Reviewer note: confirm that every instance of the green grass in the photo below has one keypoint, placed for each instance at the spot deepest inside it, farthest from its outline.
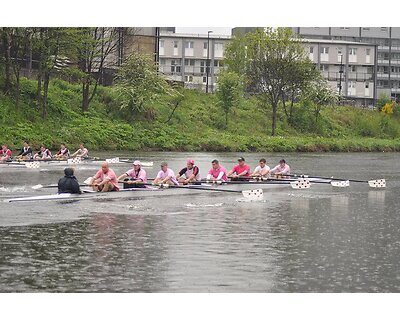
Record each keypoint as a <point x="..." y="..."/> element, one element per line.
<point x="198" y="124"/>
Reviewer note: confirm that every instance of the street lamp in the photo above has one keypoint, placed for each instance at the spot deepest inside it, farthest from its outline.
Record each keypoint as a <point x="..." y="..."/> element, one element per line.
<point x="340" y="76"/>
<point x="208" y="59"/>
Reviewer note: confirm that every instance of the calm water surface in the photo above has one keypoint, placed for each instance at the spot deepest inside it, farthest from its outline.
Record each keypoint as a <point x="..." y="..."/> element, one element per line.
<point x="316" y="240"/>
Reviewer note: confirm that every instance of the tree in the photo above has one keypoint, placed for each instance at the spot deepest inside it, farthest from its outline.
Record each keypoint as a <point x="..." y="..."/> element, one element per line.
<point x="273" y="63"/>
<point x="229" y="91"/>
<point x="320" y="94"/>
<point x="138" y="84"/>
<point x="95" y="46"/>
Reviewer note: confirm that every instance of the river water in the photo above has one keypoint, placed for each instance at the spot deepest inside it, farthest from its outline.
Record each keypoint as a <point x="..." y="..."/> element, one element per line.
<point x="321" y="239"/>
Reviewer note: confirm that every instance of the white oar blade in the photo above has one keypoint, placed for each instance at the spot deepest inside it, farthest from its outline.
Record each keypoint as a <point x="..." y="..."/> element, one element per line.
<point x="88" y="181"/>
<point x="113" y="160"/>
<point x="340" y="184"/>
<point x="76" y="160"/>
<point x="256" y="194"/>
<point x="300" y="184"/>
<point x="32" y="165"/>
<point x="380" y="183"/>
<point x="38" y="186"/>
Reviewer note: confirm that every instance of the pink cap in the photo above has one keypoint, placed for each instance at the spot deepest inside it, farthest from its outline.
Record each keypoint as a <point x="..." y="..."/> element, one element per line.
<point x="136" y="163"/>
<point x="191" y="161"/>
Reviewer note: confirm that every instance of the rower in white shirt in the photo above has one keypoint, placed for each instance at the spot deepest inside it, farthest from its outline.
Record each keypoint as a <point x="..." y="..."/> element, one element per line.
<point x="262" y="170"/>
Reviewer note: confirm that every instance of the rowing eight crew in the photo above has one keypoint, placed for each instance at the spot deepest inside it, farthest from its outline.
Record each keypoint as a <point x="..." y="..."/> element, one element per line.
<point x="106" y="180"/>
<point x="26" y="153"/>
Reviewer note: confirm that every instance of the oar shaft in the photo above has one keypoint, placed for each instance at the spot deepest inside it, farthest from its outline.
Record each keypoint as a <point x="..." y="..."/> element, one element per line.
<point x="327" y="178"/>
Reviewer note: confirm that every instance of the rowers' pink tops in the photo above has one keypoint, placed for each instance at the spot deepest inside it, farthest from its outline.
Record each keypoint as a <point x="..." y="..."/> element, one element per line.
<point x="239" y="169"/>
<point x="169" y="173"/>
<point x="110" y="175"/>
<point x="141" y="175"/>
<point x="216" y="172"/>
<point x="281" y="169"/>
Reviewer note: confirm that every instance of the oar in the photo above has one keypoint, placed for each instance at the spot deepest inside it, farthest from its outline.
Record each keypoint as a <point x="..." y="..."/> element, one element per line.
<point x="377" y="183"/>
<point x="53" y="185"/>
<point x="251" y="194"/>
<point x="294" y="183"/>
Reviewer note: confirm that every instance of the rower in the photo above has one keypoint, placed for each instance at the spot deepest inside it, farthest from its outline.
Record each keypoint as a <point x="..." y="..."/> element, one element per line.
<point x="217" y="172"/>
<point x="240" y="170"/>
<point x="63" y="153"/>
<point x="262" y="170"/>
<point x="43" y="154"/>
<point x="5" y="153"/>
<point x="105" y="179"/>
<point x="165" y="175"/>
<point x="26" y="152"/>
<point x="281" y="169"/>
<point x="189" y="174"/>
<point x="81" y="152"/>
<point x="69" y="184"/>
<point x="135" y="177"/>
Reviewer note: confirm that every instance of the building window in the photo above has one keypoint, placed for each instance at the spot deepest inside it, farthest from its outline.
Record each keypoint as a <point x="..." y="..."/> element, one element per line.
<point x="175" y="44"/>
<point x="189" y="44"/>
<point x="311" y="49"/>
<point x="218" y="50"/>
<point x="352" y="68"/>
<point x="344" y="28"/>
<point x="323" y="67"/>
<point x="367" y="85"/>
<point x="218" y="63"/>
<point x="324" y="50"/>
<point x="202" y="67"/>
<point x="188" y="78"/>
<point x="352" y="51"/>
<point x="384" y="29"/>
<point x="365" y="29"/>
<point x="189" y="62"/>
<point x="205" y="45"/>
<point x="175" y="66"/>
<point x="204" y="79"/>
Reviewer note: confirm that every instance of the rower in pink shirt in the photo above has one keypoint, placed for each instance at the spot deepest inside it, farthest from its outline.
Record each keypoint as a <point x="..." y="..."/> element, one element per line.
<point x="281" y="169"/>
<point x="217" y="172"/>
<point x="240" y="170"/>
<point x="135" y="177"/>
<point x="166" y="175"/>
<point x="105" y="179"/>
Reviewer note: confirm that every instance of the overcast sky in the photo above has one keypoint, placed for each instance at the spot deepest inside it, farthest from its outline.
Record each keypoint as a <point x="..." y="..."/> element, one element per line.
<point x="204" y="30"/>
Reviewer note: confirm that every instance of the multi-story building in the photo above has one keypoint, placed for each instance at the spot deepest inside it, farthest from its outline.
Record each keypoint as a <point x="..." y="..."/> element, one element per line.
<point x="185" y="58"/>
<point x="349" y="67"/>
<point x="387" y="40"/>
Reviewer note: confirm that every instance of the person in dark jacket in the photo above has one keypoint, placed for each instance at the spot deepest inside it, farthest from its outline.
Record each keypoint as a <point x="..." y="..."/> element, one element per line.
<point x="69" y="184"/>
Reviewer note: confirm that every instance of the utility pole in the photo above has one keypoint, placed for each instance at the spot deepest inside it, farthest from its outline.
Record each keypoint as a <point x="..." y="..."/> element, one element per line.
<point x="208" y="59"/>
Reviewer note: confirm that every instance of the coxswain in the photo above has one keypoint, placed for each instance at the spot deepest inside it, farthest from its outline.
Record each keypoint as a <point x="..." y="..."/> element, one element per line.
<point x="43" y="154"/>
<point x="262" y="170"/>
<point x="189" y="174"/>
<point x="81" y="152"/>
<point x="217" y="172"/>
<point x="135" y="177"/>
<point x="240" y="170"/>
<point x="69" y="184"/>
<point x="26" y="152"/>
<point x="63" y="153"/>
<point x="105" y="179"/>
<point x="281" y="169"/>
<point x="5" y="153"/>
<point x="165" y="175"/>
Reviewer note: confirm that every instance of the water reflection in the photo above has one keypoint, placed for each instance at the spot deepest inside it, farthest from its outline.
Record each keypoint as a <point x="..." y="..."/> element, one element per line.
<point x="316" y="240"/>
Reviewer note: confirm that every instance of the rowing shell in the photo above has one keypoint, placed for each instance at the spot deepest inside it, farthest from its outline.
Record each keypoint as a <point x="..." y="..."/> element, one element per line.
<point x="137" y="192"/>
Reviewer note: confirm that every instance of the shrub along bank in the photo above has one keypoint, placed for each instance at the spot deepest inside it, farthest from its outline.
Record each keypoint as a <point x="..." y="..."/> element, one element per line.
<point x="195" y="123"/>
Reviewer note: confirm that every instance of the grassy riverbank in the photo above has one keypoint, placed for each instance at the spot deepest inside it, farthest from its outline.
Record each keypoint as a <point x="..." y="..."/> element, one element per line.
<point x="197" y="124"/>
